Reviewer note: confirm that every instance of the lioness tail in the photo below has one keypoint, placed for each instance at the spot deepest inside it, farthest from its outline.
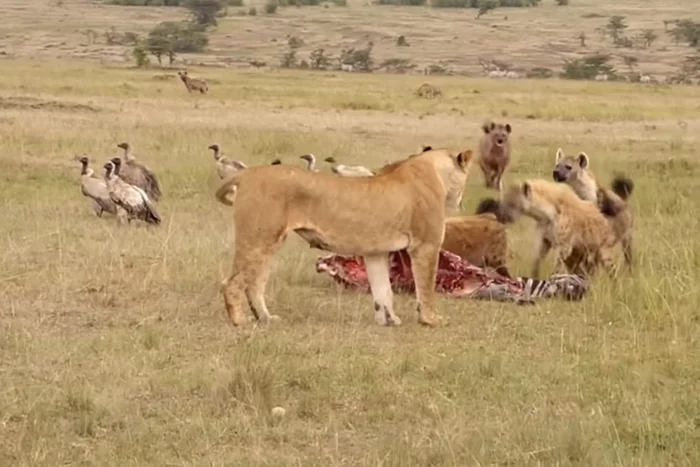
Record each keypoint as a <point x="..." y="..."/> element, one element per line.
<point x="229" y="185"/>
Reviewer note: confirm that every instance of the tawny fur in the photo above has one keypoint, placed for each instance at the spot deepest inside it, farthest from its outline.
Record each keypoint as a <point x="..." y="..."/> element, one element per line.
<point x="574" y="228"/>
<point x="401" y="207"/>
<point x="193" y="84"/>
<point x="480" y="239"/>
<point x="612" y="202"/>
<point x="137" y="174"/>
<point x="494" y="153"/>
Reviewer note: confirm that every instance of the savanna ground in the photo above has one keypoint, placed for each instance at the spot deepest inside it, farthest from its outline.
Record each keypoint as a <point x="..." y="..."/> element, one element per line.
<point x="115" y="348"/>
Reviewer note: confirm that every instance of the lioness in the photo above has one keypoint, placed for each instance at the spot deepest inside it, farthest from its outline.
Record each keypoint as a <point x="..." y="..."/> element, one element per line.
<point x="402" y="207"/>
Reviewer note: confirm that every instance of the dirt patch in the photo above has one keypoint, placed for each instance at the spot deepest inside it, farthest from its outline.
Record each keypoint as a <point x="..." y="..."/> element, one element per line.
<point x="39" y="104"/>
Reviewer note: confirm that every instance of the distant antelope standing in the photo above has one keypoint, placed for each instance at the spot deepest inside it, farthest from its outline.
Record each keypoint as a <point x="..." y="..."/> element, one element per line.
<point x="193" y="84"/>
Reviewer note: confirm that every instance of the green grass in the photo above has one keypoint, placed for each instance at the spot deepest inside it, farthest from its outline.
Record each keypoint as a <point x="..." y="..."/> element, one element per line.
<point x="114" y="345"/>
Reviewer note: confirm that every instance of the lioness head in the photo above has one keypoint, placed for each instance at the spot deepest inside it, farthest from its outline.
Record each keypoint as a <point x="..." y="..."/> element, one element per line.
<point x="498" y="133"/>
<point x="568" y="168"/>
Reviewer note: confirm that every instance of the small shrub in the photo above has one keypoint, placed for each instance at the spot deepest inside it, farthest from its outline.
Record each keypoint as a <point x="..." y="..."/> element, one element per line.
<point x="140" y="54"/>
<point x="562" y="2"/>
<point x="540" y="73"/>
<point x="271" y="7"/>
<point x="234" y="2"/>
<point x="340" y="2"/>
<point x="588" y="68"/>
<point x="289" y="59"/>
<point x="253" y="11"/>
<point x="295" y="42"/>
<point x="318" y="60"/>
<point x="401" y="42"/>
<point x="402" y="2"/>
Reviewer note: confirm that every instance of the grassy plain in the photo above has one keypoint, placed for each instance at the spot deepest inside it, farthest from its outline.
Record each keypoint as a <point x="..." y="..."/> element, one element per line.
<point x="114" y="345"/>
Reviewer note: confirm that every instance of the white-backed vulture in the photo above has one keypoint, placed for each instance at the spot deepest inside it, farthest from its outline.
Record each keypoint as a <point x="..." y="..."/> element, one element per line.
<point x="311" y="161"/>
<point x="139" y="175"/>
<point x="224" y="165"/>
<point x="349" y="170"/>
<point x="95" y="189"/>
<point x="131" y="198"/>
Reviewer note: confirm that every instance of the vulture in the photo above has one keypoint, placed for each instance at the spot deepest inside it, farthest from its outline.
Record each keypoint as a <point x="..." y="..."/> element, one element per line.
<point x="131" y="198"/>
<point x="224" y="165"/>
<point x="311" y="161"/>
<point x="96" y="189"/>
<point x="349" y="170"/>
<point x="139" y="175"/>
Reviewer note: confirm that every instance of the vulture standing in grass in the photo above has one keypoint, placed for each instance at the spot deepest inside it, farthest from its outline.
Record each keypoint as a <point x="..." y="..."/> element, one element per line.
<point x="131" y="198"/>
<point x="224" y="165"/>
<point x="139" y="175"/>
<point x="311" y="161"/>
<point x="349" y="170"/>
<point x="95" y="189"/>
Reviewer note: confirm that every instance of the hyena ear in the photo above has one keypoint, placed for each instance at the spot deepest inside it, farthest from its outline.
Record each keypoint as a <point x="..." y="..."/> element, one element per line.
<point x="527" y="189"/>
<point x="464" y="158"/>
<point x="508" y="128"/>
<point x="487" y="127"/>
<point x="583" y="160"/>
<point x="560" y="155"/>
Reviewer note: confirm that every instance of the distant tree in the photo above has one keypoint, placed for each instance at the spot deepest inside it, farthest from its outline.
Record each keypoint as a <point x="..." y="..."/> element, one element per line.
<point x="169" y="38"/>
<point x="318" y="60"/>
<point x="562" y="2"/>
<point x="204" y="12"/>
<point x="649" y="36"/>
<point x="630" y="61"/>
<point x="485" y="6"/>
<point x="687" y="31"/>
<point x="582" y="37"/>
<point x="140" y="54"/>
<point x="615" y="27"/>
<point x="271" y="7"/>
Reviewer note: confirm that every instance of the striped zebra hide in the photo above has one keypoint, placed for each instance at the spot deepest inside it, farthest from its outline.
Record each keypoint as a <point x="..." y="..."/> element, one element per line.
<point x="457" y="278"/>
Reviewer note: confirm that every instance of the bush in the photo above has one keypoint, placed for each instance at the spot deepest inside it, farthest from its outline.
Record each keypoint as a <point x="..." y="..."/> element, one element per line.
<point x="204" y="12"/>
<point x="140" y="54"/>
<point x="562" y="2"/>
<point x="402" y="2"/>
<point x="253" y="11"/>
<point x="169" y="38"/>
<point x="234" y="2"/>
<point x="588" y="68"/>
<point x="147" y="2"/>
<point x="271" y="7"/>
<point x="482" y="4"/>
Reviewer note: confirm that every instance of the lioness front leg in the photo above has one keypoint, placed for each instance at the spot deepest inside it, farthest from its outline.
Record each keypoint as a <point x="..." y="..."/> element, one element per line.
<point x="424" y="261"/>
<point x="377" y="267"/>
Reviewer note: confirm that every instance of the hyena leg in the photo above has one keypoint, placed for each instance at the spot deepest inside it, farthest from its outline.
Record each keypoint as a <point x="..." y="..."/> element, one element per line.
<point x="627" y="250"/>
<point x="377" y="267"/>
<point x="543" y="251"/>
<point x="424" y="262"/>
<point x="498" y="182"/>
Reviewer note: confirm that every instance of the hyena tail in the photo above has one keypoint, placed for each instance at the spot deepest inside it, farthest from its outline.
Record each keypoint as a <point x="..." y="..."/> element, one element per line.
<point x="622" y="186"/>
<point x="491" y="206"/>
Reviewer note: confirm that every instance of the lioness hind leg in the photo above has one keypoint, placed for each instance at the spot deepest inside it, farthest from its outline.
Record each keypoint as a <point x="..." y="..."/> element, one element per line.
<point x="424" y="262"/>
<point x="377" y="267"/>
<point x="256" y="280"/>
<point x="232" y="290"/>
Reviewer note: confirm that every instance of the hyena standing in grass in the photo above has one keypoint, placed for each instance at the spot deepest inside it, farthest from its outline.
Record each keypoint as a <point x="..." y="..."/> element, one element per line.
<point x="193" y="84"/>
<point x="494" y="153"/>
<point x="613" y="202"/>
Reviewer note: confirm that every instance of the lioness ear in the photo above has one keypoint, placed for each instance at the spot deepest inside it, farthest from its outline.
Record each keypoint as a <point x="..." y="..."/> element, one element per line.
<point x="508" y="127"/>
<point x="583" y="160"/>
<point x="527" y="189"/>
<point x="464" y="158"/>
<point x="560" y="155"/>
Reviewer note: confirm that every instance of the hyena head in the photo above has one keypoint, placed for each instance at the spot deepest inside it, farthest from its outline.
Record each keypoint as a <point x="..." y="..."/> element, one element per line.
<point x="569" y="168"/>
<point x="183" y="75"/>
<point x="516" y="200"/>
<point x="499" y="133"/>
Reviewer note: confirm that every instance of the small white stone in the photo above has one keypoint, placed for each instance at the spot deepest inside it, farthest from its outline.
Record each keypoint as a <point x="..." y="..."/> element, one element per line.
<point x="278" y="411"/>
